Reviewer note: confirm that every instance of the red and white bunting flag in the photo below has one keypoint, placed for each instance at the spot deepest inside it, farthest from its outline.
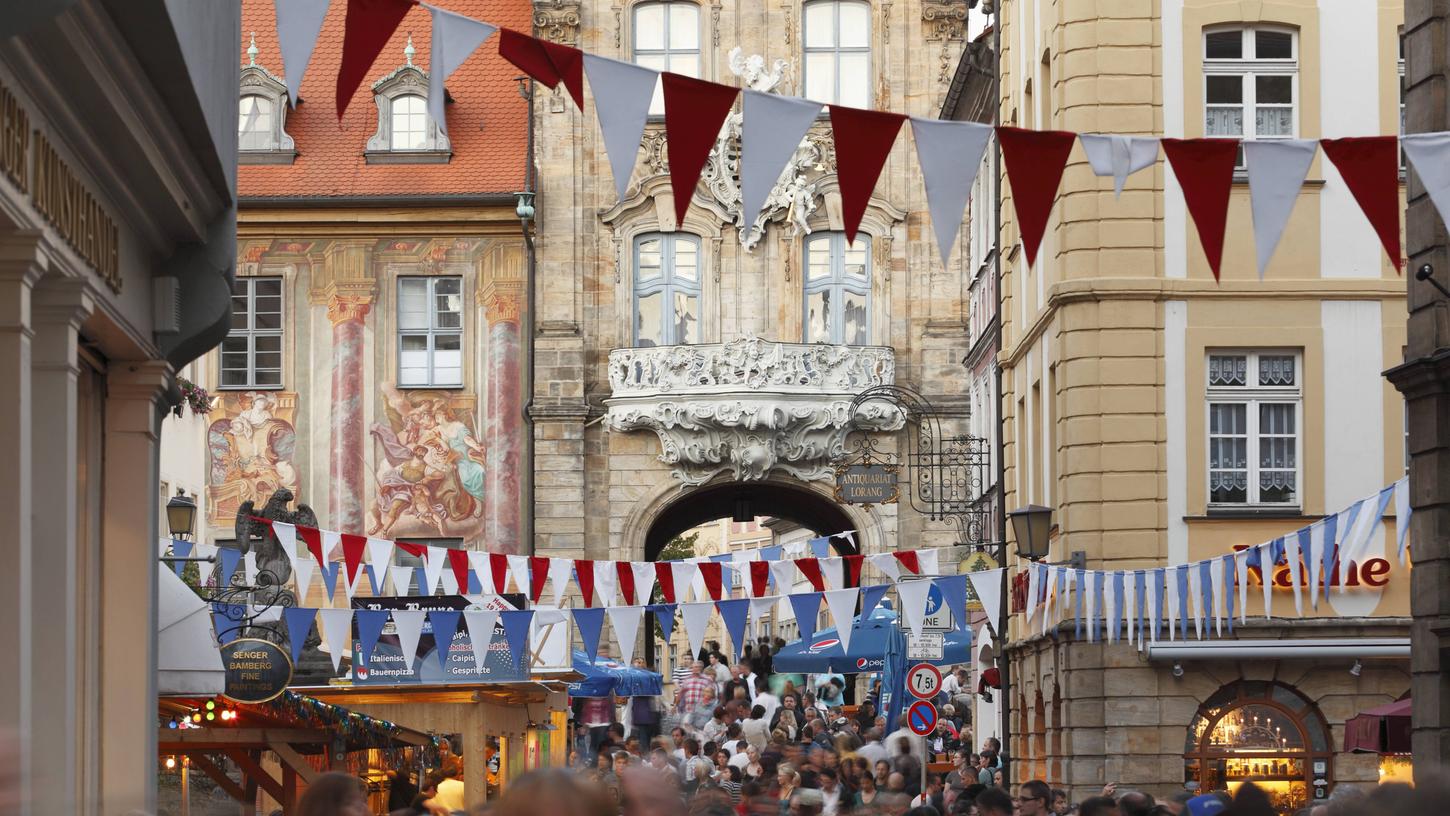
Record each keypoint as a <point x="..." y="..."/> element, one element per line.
<point x="853" y="569"/>
<point x="666" y="577"/>
<point x="458" y="564"/>
<point x="622" y="93"/>
<point x="519" y="570"/>
<point x="380" y="555"/>
<point x="833" y="570"/>
<point x="625" y="622"/>
<point x="1205" y="171"/>
<point x="1118" y="156"/>
<point x="606" y="582"/>
<point x="498" y="573"/>
<point x="694" y="112"/>
<point x="1034" y="160"/>
<point x="368" y="27"/>
<point x="1370" y="166"/>
<point x="886" y="564"/>
<point x="558" y="572"/>
<point x="480" y="624"/>
<point x="644" y="580"/>
<point x="433" y="563"/>
<point x="408" y="623"/>
<point x="336" y="632"/>
<point x="584" y="577"/>
<point x="539" y="570"/>
<point x="454" y="40"/>
<point x="950" y="154"/>
<point x="685" y="573"/>
<point x="625" y="579"/>
<point x="783" y="572"/>
<point x="759" y="578"/>
<point x="913" y="603"/>
<point x="697" y="617"/>
<point x="547" y="63"/>
<point x="1429" y="153"/>
<point x="773" y="128"/>
<point x="1277" y="169"/>
<point x="353" y="547"/>
<point x="298" y="24"/>
<point x="863" y="140"/>
<point x="313" y="537"/>
<point x="810" y="569"/>
<point x="987" y="586"/>
<point x="841" y="603"/>
<point x="714" y="578"/>
<point x="909" y="561"/>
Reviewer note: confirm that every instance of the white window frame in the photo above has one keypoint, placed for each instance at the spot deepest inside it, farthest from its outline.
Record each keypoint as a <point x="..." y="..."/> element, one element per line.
<point x="838" y="283"/>
<point x="251" y="333"/>
<point x="407" y="80"/>
<point x="667" y="54"/>
<point x="1252" y="395"/>
<point x="280" y="148"/>
<point x="1248" y="67"/>
<point x="433" y="331"/>
<point x="393" y="114"/>
<point x="836" y="49"/>
<point x="666" y="284"/>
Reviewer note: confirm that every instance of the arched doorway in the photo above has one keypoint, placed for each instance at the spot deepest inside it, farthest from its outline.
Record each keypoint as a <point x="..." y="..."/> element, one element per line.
<point x="1264" y="732"/>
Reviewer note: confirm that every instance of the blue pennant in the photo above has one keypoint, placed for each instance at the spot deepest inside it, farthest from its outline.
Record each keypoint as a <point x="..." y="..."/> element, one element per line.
<point x="420" y="577"/>
<point x="1140" y="588"/>
<point x="370" y="623"/>
<point x="299" y="624"/>
<point x="180" y="548"/>
<point x="1121" y="613"/>
<point x="734" y="611"/>
<point x="445" y="625"/>
<point x="665" y="616"/>
<point x="1158" y="575"/>
<point x="374" y="580"/>
<point x="821" y="547"/>
<point x="1331" y="547"/>
<point x="230" y="558"/>
<point x="953" y="590"/>
<point x="590" y="622"/>
<point x="516" y="633"/>
<point x="1231" y="577"/>
<point x="226" y="621"/>
<point x="329" y="577"/>
<point x="1082" y="589"/>
<point x="1181" y="575"/>
<point x="1205" y="588"/>
<point x="871" y="596"/>
<point x="806" y="606"/>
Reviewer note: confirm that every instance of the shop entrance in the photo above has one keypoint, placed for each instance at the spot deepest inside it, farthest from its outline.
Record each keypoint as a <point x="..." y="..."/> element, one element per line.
<point x="1261" y="732"/>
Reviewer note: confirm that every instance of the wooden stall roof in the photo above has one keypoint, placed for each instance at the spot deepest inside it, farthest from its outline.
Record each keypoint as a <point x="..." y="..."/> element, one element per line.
<point x="513" y="693"/>
<point x="261" y="726"/>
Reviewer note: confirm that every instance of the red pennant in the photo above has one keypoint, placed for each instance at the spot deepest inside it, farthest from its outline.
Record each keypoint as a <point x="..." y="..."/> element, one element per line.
<point x="584" y="576"/>
<point x="909" y="562"/>
<point x="714" y="579"/>
<point x="369" y="26"/>
<point x="694" y="111"/>
<point x="569" y="65"/>
<point x="1205" y="171"/>
<point x="863" y="140"/>
<point x="759" y="578"/>
<point x="458" y="560"/>
<point x="625" y="571"/>
<point x="529" y="55"/>
<point x="538" y="573"/>
<point x="853" y="569"/>
<point x="666" y="578"/>
<point x="353" y="547"/>
<point x="1370" y="166"/>
<point x="498" y="565"/>
<point x="811" y="569"/>
<point x="415" y="550"/>
<point x="313" y="537"/>
<point x="1035" y="160"/>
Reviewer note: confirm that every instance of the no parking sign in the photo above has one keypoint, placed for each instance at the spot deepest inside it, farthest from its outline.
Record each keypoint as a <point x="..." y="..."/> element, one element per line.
<point x="921" y="717"/>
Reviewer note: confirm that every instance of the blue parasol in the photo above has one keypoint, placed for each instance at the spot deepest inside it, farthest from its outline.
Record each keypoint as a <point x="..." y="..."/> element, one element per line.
<point x="871" y="640"/>
<point x="606" y="676"/>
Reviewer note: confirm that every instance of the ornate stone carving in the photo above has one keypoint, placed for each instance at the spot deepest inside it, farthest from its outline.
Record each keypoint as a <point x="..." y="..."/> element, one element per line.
<point x="557" y="21"/>
<point x="946" y="23"/>
<point x="749" y="406"/>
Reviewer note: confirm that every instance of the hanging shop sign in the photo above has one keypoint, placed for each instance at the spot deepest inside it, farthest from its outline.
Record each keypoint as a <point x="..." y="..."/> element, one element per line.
<point x="386" y="664"/>
<point x="860" y="483"/>
<point x="256" y="670"/>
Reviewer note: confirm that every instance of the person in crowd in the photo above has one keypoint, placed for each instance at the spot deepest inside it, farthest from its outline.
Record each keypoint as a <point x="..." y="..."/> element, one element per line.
<point x="619" y="764"/>
<point x="401" y="790"/>
<point x="1034" y="797"/>
<point x="932" y="796"/>
<point x="865" y="797"/>
<point x="1061" y="805"/>
<point x="994" y="802"/>
<point x="866" y="716"/>
<point x="830" y="787"/>
<point x="764" y="698"/>
<point x="682" y="666"/>
<point x="871" y="748"/>
<point x="786" y="781"/>
<point x="882" y="770"/>
<point x="831" y="692"/>
<point x="335" y="794"/>
<point x="737" y="682"/>
<point x="752" y="768"/>
<point x="597" y="714"/>
<point x="986" y="765"/>
<point x="644" y="717"/>
<point x="1135" y="803"/>
<point x="1098" y="806"/>
<point x="998" y="779"/>
<point x="691" y="691"/>
<point x="756" y="730"/>
<point x="785" y="721"/>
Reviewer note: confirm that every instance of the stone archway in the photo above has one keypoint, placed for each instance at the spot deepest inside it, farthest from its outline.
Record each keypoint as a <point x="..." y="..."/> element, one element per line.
<point x="796" y="503"/>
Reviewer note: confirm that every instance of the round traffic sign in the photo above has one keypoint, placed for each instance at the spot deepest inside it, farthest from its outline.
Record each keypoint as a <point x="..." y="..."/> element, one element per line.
<point x="923" y="681"/>
<point x="921" y="717"/>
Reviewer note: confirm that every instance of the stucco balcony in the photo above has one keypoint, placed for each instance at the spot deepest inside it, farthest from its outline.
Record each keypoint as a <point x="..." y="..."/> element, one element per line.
<point x="750" y="406"/>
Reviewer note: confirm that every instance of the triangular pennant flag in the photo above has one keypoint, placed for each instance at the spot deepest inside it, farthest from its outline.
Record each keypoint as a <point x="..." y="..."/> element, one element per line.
<point x="685" y="573"/>
<point x="498" y="570"/>
<point x="871" y="596"/>
<point x="1112" y="582"/>
<point x="1277" y="169"/>
<point x="1266" y="576"/>
<point x="302" y="572"/>
<point x="1118" y="156"/>
<point x="329" y="577"/>
<point x="694" y="111"/>
<point x="1034" y="160"/>
<point x="644" y="579"/>
<point x="1216" y="579"/>
<point x="528" y="55"/>
<point x="733" y="611"/>
<point x="1241" y="579"/>
<point x="226" y="620"/>
<point x="622" y="95"/>
<point x="773" y="128"/>
<point x="1429" y="153"/>
<point x="1372" y="511"/>
<point x="841" y="603"/>
<point x="1205" y="171"/>
<point x="664" y="571"/>
<point x="299" y="624"/>
<point x="589" y="622"/>
<point x="928" y="560"/>
<point x="558" y="572"/>
<point x="624" y="620"/>
<point x="783" y="574"/>
<point x="454" y="40"/>
<point x="180" y="548"/>
<point x="569" y="64"/>
<point x="313" y="538"/>
<point x="480" y="623"/>
<point x="230" y="558"/>
<point x="1196" y="588"/>
<point x="370" y="623"/>
<point x="1034" y="575"/>
<point x="909" y="561"/>
<point x="913" y="603"/>
<point x="418" y="551"/>
<point x="853" y="569"/>
<point x="665" y="616"/>
<point x="298" y="24"/>
<point x="759" y="582"/>
<point x="696" y="616"/>
<point x="805" y="606"/>
<point x="954" y="594"/>
<point x="1292" y="544"/>
<point x="810" y="568"/>
<point x="1370" y="166"/>
<point x="833" y="571"/>
<point x="380" y="555"/>
<point x="249" y="568"/>
<point x="863" y="141"/>
<point x="353" y="547"/>
<point x="402" y="578"/>
<point x="286" y="537"/>
<point x="887" y="564"/>
<point x="408" y="623"/>
<point x="482" y="579"/>
<point x="458" y="562"/>
<point x="987" y="586"/>
<point x="711" y="572"/>
<point x="584" y="577"/>
<point x="759" y="608"/>
<point x="433" y="563"/>
<point x="820" y="547"/>
<point x="1402" y="515"/>
<point x="368" y="27"/>
<point x="336" y="632"/>
<point x="445" y="626"/>
<point x="624" y="575"/>
<point x="519" y="570"/>
<point x="516" y="624"/>
<point x="949" y="154"/>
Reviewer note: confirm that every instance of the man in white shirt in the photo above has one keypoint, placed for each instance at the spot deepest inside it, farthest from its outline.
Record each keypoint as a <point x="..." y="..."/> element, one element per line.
<point x="768" y="701"/>
<point x="830" y="792"/>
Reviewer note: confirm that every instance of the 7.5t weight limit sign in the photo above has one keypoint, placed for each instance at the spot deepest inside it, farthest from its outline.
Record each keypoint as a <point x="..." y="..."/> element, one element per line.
<point x="923" y="681"/>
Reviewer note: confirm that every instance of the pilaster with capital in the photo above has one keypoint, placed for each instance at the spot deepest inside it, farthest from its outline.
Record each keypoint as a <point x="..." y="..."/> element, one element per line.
<point x="503" y="429"/>
<point x="347" y="309"/>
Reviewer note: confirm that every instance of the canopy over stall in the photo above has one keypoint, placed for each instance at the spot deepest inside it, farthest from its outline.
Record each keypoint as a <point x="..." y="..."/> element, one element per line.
<point x="1380" y="730"/>
<point x="870" y="642"/>
<point x="187" y="659"/>
<point x="605" y="676"/>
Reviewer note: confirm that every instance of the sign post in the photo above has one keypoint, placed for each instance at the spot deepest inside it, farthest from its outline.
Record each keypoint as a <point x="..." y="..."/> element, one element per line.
<point x="923" y="681"/>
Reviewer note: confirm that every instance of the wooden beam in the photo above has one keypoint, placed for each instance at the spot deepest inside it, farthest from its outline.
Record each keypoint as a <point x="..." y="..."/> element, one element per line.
<point x="218" y="776"/>
<point x="289" y="787"/>
<point x="249" y="807"/>
<point x="256" y="773"/>
<point x="293" y="760"/>
<point x="180" y="738"/>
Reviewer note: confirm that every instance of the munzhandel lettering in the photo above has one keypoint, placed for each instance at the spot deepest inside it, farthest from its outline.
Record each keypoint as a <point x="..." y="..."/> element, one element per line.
<point x="14" y="138"/>
<point x="64" y="201"/>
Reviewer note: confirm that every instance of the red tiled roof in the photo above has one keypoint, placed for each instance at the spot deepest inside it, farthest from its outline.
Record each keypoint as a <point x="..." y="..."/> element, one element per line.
<point x="486" y="121"/>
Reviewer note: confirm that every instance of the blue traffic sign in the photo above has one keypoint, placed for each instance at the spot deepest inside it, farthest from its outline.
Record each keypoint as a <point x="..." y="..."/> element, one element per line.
<point x="921" y="717"/>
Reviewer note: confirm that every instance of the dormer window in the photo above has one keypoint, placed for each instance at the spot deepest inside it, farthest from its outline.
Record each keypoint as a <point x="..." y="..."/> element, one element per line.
<point x="406" y="133"/>
<point x="261" y="137"/>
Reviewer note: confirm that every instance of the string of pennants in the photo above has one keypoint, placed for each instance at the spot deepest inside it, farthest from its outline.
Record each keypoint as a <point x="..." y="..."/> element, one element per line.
<point x="949" y="152"/>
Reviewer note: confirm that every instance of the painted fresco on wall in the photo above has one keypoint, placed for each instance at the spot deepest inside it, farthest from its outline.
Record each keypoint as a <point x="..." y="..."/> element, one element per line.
<point x="429" y="473"/>
<point x="250" y="451"/>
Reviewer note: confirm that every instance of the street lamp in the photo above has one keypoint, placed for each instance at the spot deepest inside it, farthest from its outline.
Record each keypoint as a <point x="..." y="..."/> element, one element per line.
<point x="1031" y="525"/>
<point x="180" y="514"/>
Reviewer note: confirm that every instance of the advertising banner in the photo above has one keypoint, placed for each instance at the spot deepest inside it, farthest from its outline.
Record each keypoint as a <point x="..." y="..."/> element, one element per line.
<point x="387" y="666"/>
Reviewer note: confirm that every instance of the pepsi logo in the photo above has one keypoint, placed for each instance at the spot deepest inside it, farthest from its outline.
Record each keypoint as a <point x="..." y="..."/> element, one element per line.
<point x="861" y="662"/>
<point x="822" y="645"/>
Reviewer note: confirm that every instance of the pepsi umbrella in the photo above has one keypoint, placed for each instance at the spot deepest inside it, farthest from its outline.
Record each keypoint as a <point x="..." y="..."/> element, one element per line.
<point x="870" y="641"/>
<point x="606" y="676"/>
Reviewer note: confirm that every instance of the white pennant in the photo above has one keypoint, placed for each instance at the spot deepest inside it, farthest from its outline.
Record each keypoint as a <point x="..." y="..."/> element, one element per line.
<point x="783" y="572"/>
<point x="1366" y="524"/>
<point x="402" y="578"/>
<point x="913" y="603"/>
<point x="560" y="571"/>
<point x="833" y="572"/>
<point x="1215" y="577"/>
<point x="1241" y="575"/>
<point x="303" y="570"/>
<point x="433" y="563"/>
<point x="1050" y="579"/>
<point x="684" y="574"/>
<point x="644" y="580"/>
<point x="1067" y="589"/>
<point x="887" y="564"/>
<point x="1130" y="605"/>
<point x="249" y="567"/>
<point x="773" y="128"/>
<point x="1153" y="586"/>
<point x="449" y="582"/>
<point x="1292" y="555"/>
<point x="1033" y="571"/>
<point x="1110" y="606"/>
<point x="622" y="94"/>
<point x="350" y="587"/>
<point x="1195" y="599"/>
<point x="949" y="154"/>
<point x="1091" y="605"/>
<point x="1402" y="515"/>
<point x="455" y="38"/>
<point x="606" y="580"/>
<point x="1118" y="156"/>
<point x="987" y="586"/>
<point x="337" y="631"/>
<point x="298" y="24"/>
<point x="759" y="607"/>
<point x="287" y="537"/>
<point x="380" y="555"/>
<point x="331" y="543"/>
<point x="519" y="569"/>
<point x="1266" y="573"/>
<point x="928" y="561"/>
<point x="1430" y="155"/>
<point x="697" y="580"/>
<point x="1170" y="600"/>
<point x="625" y="622"/>
<point x="478" y="564"/>
<point x="1277" y="169"/>
<point x="696" y="617"/>
<point x="409" y="625"/>
<point x="841" y="603"/>
<point x="480" y="623"/>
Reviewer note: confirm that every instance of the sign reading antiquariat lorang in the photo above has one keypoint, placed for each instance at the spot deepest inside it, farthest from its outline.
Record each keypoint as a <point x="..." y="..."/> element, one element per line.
<point x="866" y="484"/>
<point x="256" y="670"/>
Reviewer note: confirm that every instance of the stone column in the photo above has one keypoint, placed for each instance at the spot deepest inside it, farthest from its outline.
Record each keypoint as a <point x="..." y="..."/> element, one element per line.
<point x="503" y="429"/>
<point x="346" y="454"/>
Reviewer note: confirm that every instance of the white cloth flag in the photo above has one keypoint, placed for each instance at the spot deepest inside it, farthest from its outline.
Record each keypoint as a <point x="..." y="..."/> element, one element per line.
<point x="1067" y="589"/>
<point x="773" y="128"/>
<point x="841" y="603"/>
<point x="1195" y="599"/>
<point x="1241" y="578"/>
<point x="949" y="153"/>
<point x="1402" y="515"/>
<point x="380" y="555"/>
<point x="622" y="94"/>
<point x="1110" y="606"/>
<point x="480" y="623"/>
<point x="783" y="573"/>
<point x="833" y="571"/>
<point x="759" y="607"/>
<point x="913" y="603"/>
<point x="1130" y="605"/>
<point x="624" y="620"/>
<point x="1313" y="559"/>
<point x="987" y="586"/>
<point x="409" y="625"/>
<point x="1051" y="582"/>
<point x="644" y="580"/>
<point x="684" y="574"/>
<point x="449" y="582"/>
<point x="1266" y="574"/>
<point x="402" y="578"/>
<point x="1152" y="587"/>
<point x="1277" y="168"/>
<point x="478" y="564"/>
<point x="455" y="38"/>
<point x="1118" y="156"/>
<point x="696" y="616"/>
<point x="519" y="569"/>
<point x="337" y="631"/>
<point x="887" y="564"/>
<point x="298" y="24"/>
<point x="606" y="581"/>
<point x="1034" y="589"/>
<point x="1090" y="605"/>
<point x="1170" y="601"/>
<point x="560" y="571"/>
<point x="1215" y="578"/>
<point x="1430" y="155"/>
<point x="1366" y="524"/>
<point x="302" y="570"/>
<point x="927" y="560"/>
<point x="249" y="567"/>
<point x="435" y="559"/>
<point x="1292" y="555"/>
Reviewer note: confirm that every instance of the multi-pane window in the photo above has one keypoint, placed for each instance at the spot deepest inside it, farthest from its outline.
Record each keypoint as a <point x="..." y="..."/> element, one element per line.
<point x="410" y="122"/>
<point x="666" y="290"/>
<point x="254" y="128"/>
<point x="430" y="331"/>
<point x="837" y="290"/>
<point x="1254" y="400"/>
<point x="837" y="37"/>
<point x="667" y="38"/>
<point x="1250" y="83"/>
<point x="251" y="354"/>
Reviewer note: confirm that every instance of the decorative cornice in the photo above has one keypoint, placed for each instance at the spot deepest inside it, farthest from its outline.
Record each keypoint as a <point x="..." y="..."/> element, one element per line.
<point x="557" y="21"/>
<point x="503" y="300"/>
<point x="343" y="308"/>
